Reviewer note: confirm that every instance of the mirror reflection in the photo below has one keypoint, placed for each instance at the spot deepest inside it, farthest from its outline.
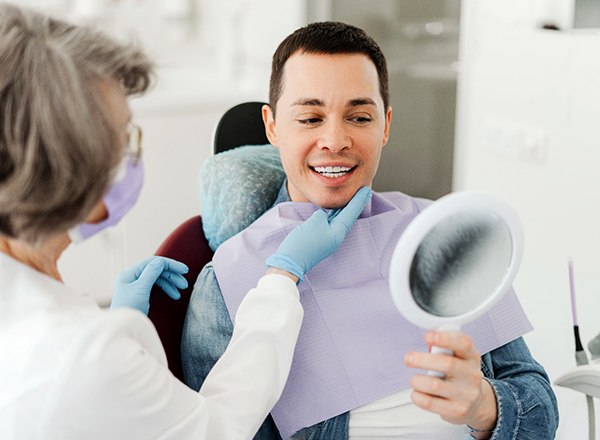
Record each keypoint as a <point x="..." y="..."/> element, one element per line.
<point x="460" y="263"/>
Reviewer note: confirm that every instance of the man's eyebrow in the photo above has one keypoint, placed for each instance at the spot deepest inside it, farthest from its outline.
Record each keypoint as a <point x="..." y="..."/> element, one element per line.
<point x="361" y="101"/>
<point x="356" y="102"/>
<point x="309" y="101"/>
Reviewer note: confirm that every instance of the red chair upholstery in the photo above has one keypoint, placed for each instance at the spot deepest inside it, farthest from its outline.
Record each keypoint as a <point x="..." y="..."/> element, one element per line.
<point x="188" y="245"/>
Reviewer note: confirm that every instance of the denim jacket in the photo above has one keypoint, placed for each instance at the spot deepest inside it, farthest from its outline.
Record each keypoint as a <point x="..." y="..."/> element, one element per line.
<point x="527" y="408"/>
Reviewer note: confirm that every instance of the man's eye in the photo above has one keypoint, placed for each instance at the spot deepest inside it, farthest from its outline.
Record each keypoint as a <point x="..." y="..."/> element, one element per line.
<point x="361" y="119"/>
<point x="309" y="121"/>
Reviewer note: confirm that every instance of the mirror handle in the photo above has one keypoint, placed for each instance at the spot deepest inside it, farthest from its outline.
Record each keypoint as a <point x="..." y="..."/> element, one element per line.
<point x="439" y="350"/>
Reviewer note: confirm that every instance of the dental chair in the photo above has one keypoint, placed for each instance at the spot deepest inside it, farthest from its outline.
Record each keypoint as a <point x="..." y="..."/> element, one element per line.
<point x="240" y="125"/>
<point x="187" y="244"/>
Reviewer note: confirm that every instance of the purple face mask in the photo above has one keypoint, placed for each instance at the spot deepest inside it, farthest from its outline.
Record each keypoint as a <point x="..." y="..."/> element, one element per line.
<point x="119" y="199"/>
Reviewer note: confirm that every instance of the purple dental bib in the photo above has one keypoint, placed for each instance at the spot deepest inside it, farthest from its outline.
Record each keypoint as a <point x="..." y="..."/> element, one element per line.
<point x="352" y="340"/>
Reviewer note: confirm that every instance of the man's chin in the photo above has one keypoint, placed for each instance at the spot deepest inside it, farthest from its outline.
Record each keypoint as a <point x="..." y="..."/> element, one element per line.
<point x="333" y="202"/>
<point x="325" y="197"/>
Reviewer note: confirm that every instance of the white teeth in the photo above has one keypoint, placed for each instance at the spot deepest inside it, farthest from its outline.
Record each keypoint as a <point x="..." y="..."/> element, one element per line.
<point x="332" y="171"/>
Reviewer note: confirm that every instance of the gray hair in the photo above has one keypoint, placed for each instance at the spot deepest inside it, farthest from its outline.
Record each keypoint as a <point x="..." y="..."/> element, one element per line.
<point x="58" y="148"/>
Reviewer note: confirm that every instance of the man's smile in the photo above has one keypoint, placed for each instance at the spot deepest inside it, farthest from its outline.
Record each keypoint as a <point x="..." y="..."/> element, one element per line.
<point x="332" y="171"/>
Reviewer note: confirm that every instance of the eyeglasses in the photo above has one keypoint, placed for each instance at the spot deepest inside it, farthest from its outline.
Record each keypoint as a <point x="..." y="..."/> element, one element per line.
<point x="134" y="142"/>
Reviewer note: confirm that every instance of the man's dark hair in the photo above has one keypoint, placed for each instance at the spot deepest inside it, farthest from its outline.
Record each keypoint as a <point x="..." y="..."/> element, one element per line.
<point x="327" y="38"/>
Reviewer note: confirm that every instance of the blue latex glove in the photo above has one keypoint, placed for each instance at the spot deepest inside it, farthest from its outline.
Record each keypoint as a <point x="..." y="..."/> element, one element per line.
<point x="318" y="237"/>
<point x="133" y="285"/>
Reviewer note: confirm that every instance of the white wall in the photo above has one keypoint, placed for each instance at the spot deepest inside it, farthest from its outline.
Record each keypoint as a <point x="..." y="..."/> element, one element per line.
<point x="528" y="131"/>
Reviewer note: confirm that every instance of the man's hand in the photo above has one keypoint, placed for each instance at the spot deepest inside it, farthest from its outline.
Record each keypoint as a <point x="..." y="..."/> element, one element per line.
<point x="463" y="396"/>
<point x="133" y="285"/>
<point x="318" y="237"/>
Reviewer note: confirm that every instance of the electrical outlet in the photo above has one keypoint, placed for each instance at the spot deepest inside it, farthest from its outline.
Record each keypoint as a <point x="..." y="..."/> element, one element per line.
<point x="521" y="142"/>
<point x="532" y="144"/>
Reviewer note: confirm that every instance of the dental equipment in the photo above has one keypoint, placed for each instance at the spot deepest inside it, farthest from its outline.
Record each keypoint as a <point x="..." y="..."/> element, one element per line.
<point x="584" y="378"/>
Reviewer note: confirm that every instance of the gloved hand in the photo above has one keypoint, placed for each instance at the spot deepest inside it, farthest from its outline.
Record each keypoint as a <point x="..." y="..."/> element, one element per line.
<point x="318" y="237"/>
<point x="133" y="285"/>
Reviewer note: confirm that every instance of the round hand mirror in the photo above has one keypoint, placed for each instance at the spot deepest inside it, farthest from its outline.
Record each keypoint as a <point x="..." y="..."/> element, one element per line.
<point x="455" y="260"/>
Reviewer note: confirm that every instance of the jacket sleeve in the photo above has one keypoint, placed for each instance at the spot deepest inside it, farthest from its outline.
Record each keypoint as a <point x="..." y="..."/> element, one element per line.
<point x="206" y="334"/>
<point x="527" y="407"/>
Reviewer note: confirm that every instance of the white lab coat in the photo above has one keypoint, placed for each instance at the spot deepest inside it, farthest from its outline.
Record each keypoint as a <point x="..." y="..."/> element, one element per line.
<point x="69" y="370"/>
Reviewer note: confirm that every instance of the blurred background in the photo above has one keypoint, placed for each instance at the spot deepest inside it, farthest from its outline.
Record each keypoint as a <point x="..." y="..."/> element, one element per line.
<point x="489" y="95"/>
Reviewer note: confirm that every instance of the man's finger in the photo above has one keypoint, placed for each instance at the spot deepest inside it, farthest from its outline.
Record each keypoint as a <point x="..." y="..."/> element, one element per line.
<point x="460" y="343"/>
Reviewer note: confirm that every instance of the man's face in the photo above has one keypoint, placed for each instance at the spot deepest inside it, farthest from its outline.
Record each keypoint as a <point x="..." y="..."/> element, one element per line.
<point x="330" y="126"/>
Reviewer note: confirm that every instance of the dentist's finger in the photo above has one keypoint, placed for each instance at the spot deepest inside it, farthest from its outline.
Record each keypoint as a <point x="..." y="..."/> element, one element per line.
<point x="350" y="213"/>
<point x="168" y="288"/>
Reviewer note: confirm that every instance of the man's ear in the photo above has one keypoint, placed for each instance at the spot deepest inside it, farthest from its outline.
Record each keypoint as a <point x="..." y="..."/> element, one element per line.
<point x="269" y="121"/>
<point x="388" y="123"/>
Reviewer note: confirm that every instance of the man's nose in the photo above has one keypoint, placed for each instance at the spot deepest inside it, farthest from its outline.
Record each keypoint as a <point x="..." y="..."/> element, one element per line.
<point x="334" y="137"/>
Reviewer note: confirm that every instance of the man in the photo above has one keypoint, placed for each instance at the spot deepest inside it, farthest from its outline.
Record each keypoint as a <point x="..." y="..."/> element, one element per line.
<point x="329" y="116"/>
